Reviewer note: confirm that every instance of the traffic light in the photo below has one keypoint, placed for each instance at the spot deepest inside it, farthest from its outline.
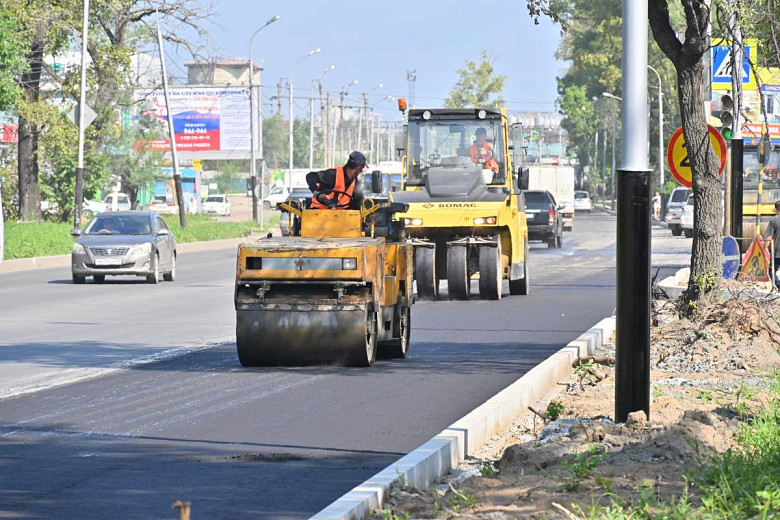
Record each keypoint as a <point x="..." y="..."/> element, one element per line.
<point x="726" y="115"/>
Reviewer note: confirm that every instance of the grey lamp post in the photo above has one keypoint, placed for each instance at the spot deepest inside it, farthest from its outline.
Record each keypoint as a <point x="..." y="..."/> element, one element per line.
<point x="311" y="115"/>
<point x="252" y="131"/>
<point x="290" y="87"/>
<point x="660" y="140"/>
<point x="612" y="96"/>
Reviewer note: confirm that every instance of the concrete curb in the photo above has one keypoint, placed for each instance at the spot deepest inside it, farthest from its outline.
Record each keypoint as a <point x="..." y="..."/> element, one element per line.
<point x="43" y="262"/>
<point x="445" y="451"/>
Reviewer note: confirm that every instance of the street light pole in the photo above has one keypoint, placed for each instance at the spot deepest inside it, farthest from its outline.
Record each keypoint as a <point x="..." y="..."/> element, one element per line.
<point x="660" y="140"/>
<point x="252" y="131"/>
<point x="632" y="342"/>
<point x="365" y="109"/>
<point x="290" y="92"/>
<point x="342" y="93"/>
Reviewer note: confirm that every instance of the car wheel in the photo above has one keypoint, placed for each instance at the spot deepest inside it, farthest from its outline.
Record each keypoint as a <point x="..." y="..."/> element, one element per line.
<point x="77" y="279"/>
<point x="551" y="242"/>
<point x="171" y="275"/>
<point x="559" y="240"/>
<point x="688" y="233"/>
<point x="267" y="206"/>
<point x="99" y="278"/>
<point x="155" y="276"/>
<point x="676" y="230"/>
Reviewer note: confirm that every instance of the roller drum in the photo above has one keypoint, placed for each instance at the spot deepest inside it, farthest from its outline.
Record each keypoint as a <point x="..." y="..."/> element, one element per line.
<point x="304" y="337"/>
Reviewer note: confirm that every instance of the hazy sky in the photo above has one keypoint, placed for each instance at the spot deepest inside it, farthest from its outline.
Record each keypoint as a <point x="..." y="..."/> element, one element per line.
<point x="376" y="42"/>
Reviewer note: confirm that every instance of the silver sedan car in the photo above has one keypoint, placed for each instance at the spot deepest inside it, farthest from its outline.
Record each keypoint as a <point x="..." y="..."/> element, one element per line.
<point x="124" y="243"/>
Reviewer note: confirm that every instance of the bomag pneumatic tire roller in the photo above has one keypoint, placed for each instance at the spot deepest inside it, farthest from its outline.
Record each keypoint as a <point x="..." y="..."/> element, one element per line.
<point x="466" y="205"/>
<point x="335" y="291"/>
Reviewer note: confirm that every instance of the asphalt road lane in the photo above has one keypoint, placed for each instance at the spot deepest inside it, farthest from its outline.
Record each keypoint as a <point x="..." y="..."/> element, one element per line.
<point x="268" y="443"/>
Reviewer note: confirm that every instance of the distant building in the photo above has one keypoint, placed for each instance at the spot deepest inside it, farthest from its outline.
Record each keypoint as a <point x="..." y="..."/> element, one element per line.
<point x="222" y="71"/>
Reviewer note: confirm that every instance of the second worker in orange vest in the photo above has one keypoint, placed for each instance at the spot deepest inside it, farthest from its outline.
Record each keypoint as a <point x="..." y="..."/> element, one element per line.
<point x="482" y="151"/>
<point x="341" y="179"/>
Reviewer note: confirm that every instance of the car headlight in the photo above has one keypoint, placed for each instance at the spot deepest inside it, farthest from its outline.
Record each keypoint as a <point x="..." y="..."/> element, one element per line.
<point x="142" y="249"/>
<point x="78" y="249"/>
<point x="480" y="221"/>
<point x="413" y="221"/>
<point x="349" y="264"/>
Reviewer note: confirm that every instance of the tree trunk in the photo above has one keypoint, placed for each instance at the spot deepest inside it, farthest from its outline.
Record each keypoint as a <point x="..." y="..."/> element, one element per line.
<point x="27" y="169"/>
<point x="707" y="238"/>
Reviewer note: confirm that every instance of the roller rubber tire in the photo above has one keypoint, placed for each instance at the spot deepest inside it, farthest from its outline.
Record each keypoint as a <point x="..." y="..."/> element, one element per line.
<point x="402" y="327"/>
<point x="458" y="281"/>
<point x="522" y="287"/>
<point x="425" y="273"/>
<point x="367" y="355"/>
<point x="490" y="278"/>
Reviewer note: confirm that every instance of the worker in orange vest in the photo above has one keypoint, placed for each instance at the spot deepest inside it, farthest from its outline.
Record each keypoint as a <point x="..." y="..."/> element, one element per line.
<point x="482" y="151"/>
<point x="342" y="179"/>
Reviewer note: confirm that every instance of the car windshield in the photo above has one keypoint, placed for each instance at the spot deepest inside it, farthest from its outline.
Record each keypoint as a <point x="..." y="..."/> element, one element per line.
<point x="680" y="195"/>
<point x="119" y="225"/>
<point x="160" y="199"/>
<point x="215" y="198"/>
<point x="536" y="197"/>
<point x="455" y="143"/>
<point x="580" y="195"/>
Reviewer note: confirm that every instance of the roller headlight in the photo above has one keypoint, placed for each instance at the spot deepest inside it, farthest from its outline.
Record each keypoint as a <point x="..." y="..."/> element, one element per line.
<point x="349" y="264"/>
<point x="481" y="221"/>
<point x="78" y="249"/>
<point x="143" y="249"/>
<point x="413" y="221"/>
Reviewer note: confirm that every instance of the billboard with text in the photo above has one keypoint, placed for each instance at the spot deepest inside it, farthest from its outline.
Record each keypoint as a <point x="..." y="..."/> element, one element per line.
<point x="204" y="118"/>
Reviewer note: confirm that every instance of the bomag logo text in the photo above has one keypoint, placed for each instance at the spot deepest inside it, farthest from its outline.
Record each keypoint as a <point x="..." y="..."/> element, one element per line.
<point x="458" y="205"/>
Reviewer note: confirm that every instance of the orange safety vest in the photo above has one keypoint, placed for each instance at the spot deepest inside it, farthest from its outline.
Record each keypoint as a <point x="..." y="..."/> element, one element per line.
<point x="340" y="185"/>
<point x="475" y="155"/>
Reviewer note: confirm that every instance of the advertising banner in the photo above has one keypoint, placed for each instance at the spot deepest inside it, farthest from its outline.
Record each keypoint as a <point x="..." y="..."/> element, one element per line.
<point x="204" y="118"/>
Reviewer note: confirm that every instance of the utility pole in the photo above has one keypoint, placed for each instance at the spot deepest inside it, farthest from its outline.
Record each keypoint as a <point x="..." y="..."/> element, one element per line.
<point x="279" y="97"/>
<point x="613" y="164"/>
<point x="176" y="176"/>
<point x="82" y="110"/>
<point x="660" y="141"/>
<point x="632" y="352"/>
<point x="411" y="79"/>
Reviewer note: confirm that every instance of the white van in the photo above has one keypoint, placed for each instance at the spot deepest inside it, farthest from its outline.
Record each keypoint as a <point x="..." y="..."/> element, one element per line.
<point x="121" y="199"/>
<point x="674" y="209"/>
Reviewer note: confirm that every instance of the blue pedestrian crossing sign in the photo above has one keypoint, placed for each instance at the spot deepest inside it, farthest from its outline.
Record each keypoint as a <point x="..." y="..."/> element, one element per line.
<point x="721" y="64"/>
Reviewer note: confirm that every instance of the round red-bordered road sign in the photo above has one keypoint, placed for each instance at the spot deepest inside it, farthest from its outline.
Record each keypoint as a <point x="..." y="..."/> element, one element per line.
<point x="677" y="155"/>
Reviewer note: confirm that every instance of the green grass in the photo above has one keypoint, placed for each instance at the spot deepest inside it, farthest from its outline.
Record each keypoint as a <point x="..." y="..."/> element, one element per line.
<point x="32" y="239"/>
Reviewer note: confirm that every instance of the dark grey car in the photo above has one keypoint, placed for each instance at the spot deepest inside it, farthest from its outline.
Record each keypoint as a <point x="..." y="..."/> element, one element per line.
<point x="544" y="218"/>
<point x="124" y="243"/>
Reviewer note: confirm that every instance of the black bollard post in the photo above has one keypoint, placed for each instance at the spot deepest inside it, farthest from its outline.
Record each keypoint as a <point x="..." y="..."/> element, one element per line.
<point x="632" y="356"/>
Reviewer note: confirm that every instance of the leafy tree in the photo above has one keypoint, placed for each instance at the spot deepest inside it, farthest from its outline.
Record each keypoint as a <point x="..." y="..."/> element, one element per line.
<point x="275" y="142"/>
<point x="301" y="144"/>
<point x="12" y="47"/>
<point x="478" y="85"/>
<point x="228" y="174"/>
<point x="686" y="57"/>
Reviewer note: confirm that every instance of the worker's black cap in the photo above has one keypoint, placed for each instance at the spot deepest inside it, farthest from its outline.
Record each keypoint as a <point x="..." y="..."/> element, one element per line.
<point x="357" y="159"/>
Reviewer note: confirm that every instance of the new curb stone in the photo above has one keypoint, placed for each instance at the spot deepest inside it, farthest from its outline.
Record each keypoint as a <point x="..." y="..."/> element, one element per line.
<point x="445" y="451"/>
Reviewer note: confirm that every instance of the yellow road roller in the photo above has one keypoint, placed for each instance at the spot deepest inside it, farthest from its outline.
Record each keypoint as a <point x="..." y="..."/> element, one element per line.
<point x="337" y="290"/>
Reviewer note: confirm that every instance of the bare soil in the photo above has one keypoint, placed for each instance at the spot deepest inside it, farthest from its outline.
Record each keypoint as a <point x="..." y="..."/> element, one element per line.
<point x="700" y="370"/>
